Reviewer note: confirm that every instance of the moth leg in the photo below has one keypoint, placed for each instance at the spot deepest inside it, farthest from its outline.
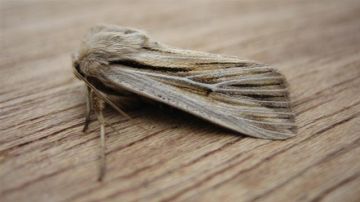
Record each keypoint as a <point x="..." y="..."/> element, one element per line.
<point x="89" y="108"/>
<point x="99" y="106"/>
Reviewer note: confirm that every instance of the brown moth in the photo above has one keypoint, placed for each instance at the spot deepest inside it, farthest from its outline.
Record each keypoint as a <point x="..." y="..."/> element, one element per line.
<point x="241" y="95"/>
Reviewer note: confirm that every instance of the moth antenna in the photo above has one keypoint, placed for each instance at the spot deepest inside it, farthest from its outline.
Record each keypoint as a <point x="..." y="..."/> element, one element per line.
<point x="99" y="94"/>
<point x="108" y="101"/>
<point x="112" y="128"/>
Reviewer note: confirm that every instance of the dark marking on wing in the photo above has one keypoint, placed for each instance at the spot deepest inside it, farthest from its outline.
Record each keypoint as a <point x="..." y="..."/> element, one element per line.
<point x="139" y="65"/>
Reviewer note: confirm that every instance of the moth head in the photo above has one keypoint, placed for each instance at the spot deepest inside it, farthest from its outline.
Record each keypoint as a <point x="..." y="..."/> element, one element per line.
<point x="104" y="44"/>
<point x="110" y="42"/>
<point x="85" y="66"/>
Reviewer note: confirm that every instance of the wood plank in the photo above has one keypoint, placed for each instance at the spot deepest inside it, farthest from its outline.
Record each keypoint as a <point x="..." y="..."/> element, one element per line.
<point x="167" y="155"/>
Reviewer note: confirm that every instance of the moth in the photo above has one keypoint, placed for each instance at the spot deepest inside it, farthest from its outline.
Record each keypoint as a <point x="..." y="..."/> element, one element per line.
<point x="242" y="95"/>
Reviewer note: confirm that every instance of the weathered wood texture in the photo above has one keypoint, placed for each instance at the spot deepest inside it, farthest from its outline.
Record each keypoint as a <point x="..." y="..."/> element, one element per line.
<point x="45" y="156"/>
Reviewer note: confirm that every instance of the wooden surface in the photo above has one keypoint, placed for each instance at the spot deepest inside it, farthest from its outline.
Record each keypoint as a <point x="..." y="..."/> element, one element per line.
<point x="45" y="156"/>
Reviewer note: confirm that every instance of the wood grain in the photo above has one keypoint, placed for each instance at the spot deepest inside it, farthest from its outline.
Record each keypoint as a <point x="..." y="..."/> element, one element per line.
<point x="44" y="156"/>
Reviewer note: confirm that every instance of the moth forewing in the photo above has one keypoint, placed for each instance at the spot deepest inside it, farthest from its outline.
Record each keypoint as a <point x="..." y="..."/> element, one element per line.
<point x="241" y="95"/>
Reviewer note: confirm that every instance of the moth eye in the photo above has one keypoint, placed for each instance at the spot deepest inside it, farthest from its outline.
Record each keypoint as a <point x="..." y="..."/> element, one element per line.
<point x="76" y="65"/>
<point x="128" y="31"/>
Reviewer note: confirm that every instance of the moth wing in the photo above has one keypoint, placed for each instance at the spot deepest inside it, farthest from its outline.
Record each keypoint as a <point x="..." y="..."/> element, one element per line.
<point x="251" y="99"/>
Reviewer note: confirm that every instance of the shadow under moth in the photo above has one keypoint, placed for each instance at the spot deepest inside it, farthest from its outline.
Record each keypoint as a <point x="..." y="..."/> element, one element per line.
<point x="241" y="95"/>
